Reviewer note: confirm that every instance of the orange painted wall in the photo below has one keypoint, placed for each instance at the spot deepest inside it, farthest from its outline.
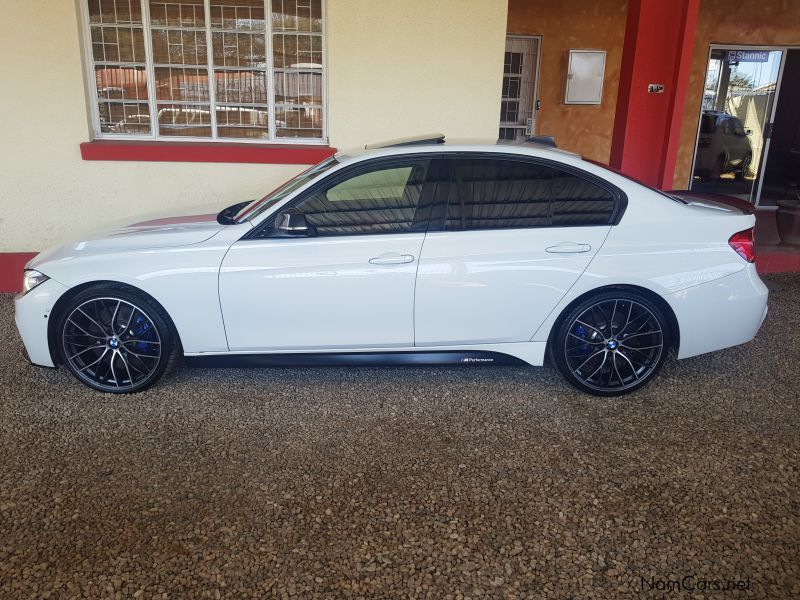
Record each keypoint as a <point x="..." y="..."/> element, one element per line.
<point x="576" y="24"/>
<point x="753" y="22"/>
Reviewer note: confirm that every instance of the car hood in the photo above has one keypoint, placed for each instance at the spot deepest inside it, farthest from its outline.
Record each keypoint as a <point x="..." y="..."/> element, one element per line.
<point x="152" y="231"/>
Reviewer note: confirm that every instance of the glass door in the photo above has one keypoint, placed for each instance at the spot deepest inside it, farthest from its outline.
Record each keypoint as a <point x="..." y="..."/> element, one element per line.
<point x="736" y="121"/>
<point x="518" y="103"/>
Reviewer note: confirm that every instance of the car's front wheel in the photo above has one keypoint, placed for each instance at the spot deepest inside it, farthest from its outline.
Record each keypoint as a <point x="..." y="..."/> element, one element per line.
<point x="744" y="169"/>
<point x="114" y="340"/>
<point x="612" y="343"/>
<point x="718" y="168"/>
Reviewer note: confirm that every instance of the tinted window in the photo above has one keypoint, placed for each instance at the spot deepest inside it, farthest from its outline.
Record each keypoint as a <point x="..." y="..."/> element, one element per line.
<point x="254" y="209"/>
<point x="707" y="123"/>
<point x="498" y="194"/>
<point x="578" y="201"/>
<point x="511" y="194"/>
<point x="383" y="199"/>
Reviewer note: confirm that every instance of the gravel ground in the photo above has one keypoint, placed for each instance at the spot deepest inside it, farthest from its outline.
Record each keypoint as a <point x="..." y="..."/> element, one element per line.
<point x="406" y="482"/>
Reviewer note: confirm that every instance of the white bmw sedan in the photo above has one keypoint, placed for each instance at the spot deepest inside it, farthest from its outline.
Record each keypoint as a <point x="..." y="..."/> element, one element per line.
<point x="415" y="252"/>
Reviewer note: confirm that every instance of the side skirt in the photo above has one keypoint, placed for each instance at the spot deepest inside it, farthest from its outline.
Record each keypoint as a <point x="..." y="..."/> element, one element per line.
<point x="333" y="359"/>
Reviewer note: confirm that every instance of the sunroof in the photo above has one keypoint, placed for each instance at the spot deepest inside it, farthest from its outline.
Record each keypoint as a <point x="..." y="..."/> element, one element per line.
<point x="416" y="140"/>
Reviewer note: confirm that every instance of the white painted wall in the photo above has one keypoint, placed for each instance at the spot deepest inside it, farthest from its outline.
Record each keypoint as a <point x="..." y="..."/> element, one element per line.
<point x="402" y="67"/>
<point x="394" y="69"/>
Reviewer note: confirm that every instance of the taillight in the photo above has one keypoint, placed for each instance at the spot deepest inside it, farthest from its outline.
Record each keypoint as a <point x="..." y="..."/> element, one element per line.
<point x="744" y="244"/>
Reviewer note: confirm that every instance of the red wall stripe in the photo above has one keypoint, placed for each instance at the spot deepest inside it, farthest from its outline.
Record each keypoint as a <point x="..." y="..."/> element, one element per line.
<point x="204" y="152"/>
<point x="11" y="265"/>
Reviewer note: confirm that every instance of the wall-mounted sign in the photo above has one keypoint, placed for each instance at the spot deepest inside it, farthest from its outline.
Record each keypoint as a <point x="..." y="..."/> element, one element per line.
<point x="655" y="88"/>
<point x="748" y="56"/>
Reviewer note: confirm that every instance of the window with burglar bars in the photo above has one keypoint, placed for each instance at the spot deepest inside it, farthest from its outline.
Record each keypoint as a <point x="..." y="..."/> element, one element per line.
<point x="518" y="101"/>
<point x="211" y="69"/>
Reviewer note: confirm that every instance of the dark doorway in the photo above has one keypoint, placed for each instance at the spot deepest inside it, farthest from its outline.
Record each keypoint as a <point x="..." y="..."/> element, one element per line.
<point x="782" y="169"/>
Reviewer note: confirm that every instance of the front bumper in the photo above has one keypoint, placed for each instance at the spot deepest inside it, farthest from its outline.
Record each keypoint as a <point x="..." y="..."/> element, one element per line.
<point x="719" y="314"/>
<point x="32" y="314"/>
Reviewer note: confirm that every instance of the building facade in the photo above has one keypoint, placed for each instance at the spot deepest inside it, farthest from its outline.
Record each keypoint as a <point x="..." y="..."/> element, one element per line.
<point x="116" y="108"/>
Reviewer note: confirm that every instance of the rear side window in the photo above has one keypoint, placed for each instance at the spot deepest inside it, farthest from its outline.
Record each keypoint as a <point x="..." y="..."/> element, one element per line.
<point x="498" y="194"/>
<point x="489" y="193"/>
<point x="578" y="201"/>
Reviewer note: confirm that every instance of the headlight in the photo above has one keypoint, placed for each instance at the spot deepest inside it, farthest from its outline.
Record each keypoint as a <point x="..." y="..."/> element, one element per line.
<point x="32" y="279"/>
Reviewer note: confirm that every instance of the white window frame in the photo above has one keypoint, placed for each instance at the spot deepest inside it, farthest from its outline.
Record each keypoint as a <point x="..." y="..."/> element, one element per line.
<point x="93" y="100"/>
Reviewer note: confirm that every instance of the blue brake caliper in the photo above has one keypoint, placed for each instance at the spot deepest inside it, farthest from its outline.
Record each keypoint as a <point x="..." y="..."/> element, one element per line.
<point x="141" y="328"/>
<point x="580" y="331"/>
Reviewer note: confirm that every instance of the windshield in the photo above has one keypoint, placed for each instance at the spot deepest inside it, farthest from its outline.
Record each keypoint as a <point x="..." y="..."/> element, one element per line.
<point x="257" y="207"/>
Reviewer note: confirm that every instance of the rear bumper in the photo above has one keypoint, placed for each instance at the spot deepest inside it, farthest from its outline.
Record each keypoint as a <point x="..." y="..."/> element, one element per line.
<point x="719" y="314"/>
<point x="32" y="314"/>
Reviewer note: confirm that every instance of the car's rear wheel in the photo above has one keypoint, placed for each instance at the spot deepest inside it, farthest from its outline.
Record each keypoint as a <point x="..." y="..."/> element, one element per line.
<point x="114" y="340"/>
<point x="612" y="343"/>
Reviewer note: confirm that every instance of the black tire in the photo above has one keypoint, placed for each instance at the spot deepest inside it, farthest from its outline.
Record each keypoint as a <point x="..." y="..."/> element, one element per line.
<point x="741" y="174"/>
<point x="717" y="169"/>
<point x="115" y="340"/>
<point x="598" y="328"/>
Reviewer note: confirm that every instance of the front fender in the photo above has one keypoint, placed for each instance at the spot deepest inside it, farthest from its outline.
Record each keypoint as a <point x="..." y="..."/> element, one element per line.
<point x="184" y="281"/>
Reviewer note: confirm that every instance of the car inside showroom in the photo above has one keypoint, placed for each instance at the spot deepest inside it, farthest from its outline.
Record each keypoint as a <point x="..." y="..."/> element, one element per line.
<point x="410" y="299"/>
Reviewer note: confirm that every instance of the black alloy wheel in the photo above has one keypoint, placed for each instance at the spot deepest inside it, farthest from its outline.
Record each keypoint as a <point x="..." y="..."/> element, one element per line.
<point x="612" y="344"/>
<point x="113" y="340"/>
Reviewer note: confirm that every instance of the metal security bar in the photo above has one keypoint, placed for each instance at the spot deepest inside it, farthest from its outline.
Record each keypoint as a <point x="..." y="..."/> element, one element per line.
<point x="250" y="70"/>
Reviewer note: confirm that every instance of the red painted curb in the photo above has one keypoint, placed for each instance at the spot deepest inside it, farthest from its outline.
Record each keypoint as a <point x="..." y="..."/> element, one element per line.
<point x="11" y="265"/>
<point x="777" y="262"/>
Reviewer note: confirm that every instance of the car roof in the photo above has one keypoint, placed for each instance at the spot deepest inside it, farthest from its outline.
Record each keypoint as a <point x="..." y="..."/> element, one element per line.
<point x="437" y="143"/>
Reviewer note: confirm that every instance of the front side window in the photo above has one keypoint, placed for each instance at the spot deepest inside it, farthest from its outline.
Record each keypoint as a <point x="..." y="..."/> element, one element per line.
<point x="382" y="199"/>
<point x="212" y="69"/>
<point x="500" y="193"/>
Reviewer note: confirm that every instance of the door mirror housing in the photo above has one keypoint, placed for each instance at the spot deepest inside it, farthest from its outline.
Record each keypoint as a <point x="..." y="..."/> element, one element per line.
<point x="291" y="223"/>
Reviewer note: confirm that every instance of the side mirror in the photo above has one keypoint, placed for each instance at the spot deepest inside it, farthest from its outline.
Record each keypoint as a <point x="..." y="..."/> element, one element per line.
<point x="225" y="217"/>
<point x="291" y="223"/>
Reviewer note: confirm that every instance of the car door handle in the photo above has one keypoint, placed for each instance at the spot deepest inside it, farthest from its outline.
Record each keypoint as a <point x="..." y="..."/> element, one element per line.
<point x="568" y="248"/>
<point x="392" y="258"/>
